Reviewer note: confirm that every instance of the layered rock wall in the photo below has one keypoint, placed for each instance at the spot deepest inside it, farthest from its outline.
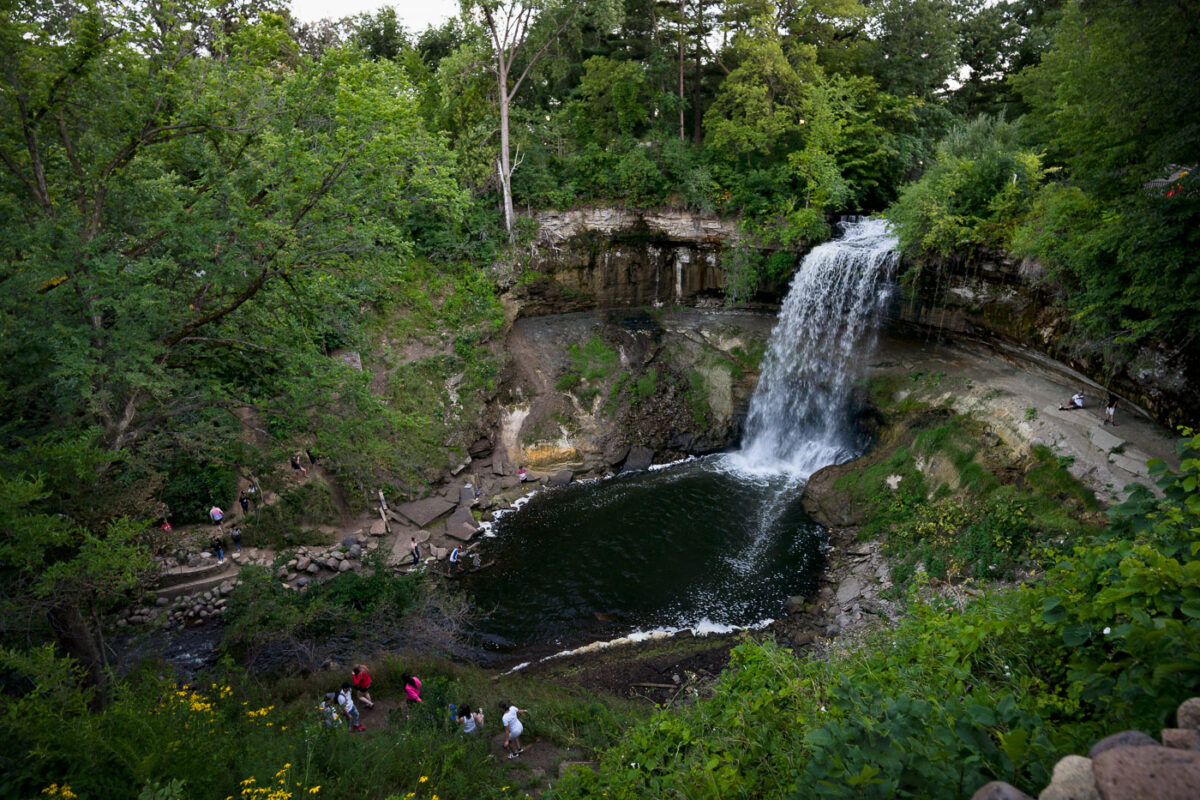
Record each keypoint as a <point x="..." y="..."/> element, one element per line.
<point x="1003" y="301"/>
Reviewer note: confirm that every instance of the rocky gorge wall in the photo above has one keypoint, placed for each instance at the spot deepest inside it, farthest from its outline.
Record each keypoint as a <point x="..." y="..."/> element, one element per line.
<point x="1001" y="301"/>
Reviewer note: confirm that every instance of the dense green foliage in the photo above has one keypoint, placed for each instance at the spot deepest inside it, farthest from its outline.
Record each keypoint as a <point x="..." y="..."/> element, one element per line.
<point x="212" y="737"/>
<point x="957" y="694"/>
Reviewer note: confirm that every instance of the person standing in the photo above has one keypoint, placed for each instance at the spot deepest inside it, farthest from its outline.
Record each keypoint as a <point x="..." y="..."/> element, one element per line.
<point x="236" y="536"/>
<point x="361" y="679"/>
<point x="512" y="728"/>
<point x="1110" y="410"/>
<point x="414" y="550"/>
<point x="218" y="548"/>
<point x="244" y="502"/>
<point x="329" y="711"/>
<point x="346" y="701"/>
<point x="297" y="467"/>
<point x="455" y="560"/>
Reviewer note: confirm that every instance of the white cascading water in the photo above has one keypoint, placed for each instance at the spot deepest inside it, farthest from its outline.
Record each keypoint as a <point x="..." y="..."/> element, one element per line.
<point x="798" y="420"/>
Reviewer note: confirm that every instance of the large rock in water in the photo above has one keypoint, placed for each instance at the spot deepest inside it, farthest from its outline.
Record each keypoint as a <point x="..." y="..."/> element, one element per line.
<point x="561" y="478"/>
<point x="832" y="507"/>
<point x="639" y="458"/>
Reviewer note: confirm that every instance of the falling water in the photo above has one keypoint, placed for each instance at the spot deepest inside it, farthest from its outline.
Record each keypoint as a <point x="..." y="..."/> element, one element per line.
<point x="798" y="420"/>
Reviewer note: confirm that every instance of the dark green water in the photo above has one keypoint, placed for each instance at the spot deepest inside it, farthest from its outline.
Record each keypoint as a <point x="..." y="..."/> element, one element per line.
<point x="701" y="544"/>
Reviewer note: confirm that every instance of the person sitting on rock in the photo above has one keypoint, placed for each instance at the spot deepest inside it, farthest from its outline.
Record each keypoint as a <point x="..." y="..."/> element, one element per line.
<point x="1075" y="402"/>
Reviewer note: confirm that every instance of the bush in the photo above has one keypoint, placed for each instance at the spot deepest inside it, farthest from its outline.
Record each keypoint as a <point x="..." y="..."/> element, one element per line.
<point x="192" y="488"/>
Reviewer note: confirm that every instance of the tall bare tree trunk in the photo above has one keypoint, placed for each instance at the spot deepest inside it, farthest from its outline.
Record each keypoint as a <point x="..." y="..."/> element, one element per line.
<point x="505" y="159"/>
<point x="682" y="20"/>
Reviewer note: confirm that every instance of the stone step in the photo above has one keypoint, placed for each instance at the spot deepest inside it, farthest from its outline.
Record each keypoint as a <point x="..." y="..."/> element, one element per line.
<point x="228" y="572"/>
<point x="181" y="575"/>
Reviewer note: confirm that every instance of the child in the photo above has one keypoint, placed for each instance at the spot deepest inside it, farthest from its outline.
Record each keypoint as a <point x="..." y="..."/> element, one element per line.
<point x="346" y="701"/>
<point x="512" y="728"/>
<point x="329" y="711"/>
<point x="471" y="721"/>
<point x="362" y="681"/>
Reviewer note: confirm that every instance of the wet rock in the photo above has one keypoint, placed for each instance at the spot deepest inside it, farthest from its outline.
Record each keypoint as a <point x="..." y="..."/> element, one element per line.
<point x="1072" y="780"/>
<point x="795" y="603"/>
<point x="829" y="506"/>
<point x="1122" y="739"/>
<point x="1134" y="773"/>
<point x="999" y="790"/>
<point x="639" y="458"/>
<point x="561" y="478"/>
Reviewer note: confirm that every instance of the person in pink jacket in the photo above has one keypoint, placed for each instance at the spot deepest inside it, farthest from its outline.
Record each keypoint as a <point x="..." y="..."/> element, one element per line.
<point x="412" y="690"/>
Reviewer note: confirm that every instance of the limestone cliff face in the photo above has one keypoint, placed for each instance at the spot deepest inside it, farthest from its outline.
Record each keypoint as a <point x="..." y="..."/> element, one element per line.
<point x="603" y="258"/>
<point x="1003" y="301"/>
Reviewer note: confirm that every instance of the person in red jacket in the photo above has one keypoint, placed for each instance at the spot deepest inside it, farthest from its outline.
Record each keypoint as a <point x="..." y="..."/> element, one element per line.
<point x="362" y="681"/>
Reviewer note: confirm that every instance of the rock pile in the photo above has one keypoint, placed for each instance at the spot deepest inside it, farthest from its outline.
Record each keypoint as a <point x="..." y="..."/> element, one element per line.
<point x="1125" y="766"/>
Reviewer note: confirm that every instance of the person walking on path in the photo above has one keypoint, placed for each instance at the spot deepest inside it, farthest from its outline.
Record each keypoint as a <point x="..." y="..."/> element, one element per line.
<point x="362" y="681"/>
<point x="244" y="502"/>
<point x="297" y="467"/>
<point x="236" y="536"/>
<point x="512" y="728"/>
<point x="346" y="701"/>
<point x="455" y="560"/>
<point x="412" y="691"/>
<point x="218" y="548"/>
<point x="217" y="516"/>
<point x="414" y="550"/>
<point x="1110" y="410"/>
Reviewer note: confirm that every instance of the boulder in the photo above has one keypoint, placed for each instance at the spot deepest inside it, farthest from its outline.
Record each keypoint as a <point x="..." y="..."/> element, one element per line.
<point x="508" y="482"/>
<point x="351" y="541"/>
<point x="1072" y="780"/>
<point x="355" y="552"/>
<point x="1122" y="739"/>
<point x="466" y="496"/>
<point x="615" y="453"/>
<point x="461" y="516"/>
<point x="1181" y="738"/>
<point x="1188" y="714"/>
<point x="561" y="478"/>
<point x="423" y="512"/>
<point x="999" y="790"/>
<point x="345" y="566"/>
<point x="639" y="458"/>
<point x="302" y="563"/>
<point x="462" y="532"/>
<point x="376" y="528"/>
<point x="829" y="506"/>
<point x="1134" y="773"/>
<point x="849" y="589"/>
<point x="479" y="448"/>
<point x="312" y="569"/>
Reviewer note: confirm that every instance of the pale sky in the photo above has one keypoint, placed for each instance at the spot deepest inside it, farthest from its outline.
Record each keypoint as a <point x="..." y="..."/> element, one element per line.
<point x="416" y="15"/>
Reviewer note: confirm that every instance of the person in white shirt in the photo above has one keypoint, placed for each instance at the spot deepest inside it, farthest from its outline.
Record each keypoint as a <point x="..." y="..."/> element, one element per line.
<point x="512" y="728"/>
<point x="1075" y="402"/>
<point x="346" y="701"/>
<point x="471" y="721"/>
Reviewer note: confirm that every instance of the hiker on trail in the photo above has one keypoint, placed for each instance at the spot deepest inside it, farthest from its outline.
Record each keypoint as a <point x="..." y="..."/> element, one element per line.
<point x="218" y="548"/>
<point x="362" y="681"/>
<point x="346" y="701"/>
<point x="311" y="458"/>
<point x="512" y="728"/>
<point x="166" y="526"/>
<point x="455" y="563"/>
<point x="217" y="515"/>
<point x="251" y="493"/>
<point x="471" y="721"/>
<point x="244" y="502"/>
<point x="414" y="549"/>
<point x="1110" y="409"/>
<point x="236" y="536"/>
<point x="1075" y="402"/>
<point x="412" y="691"/>
<point x="329" y="711"/>
<point x="297" y="467"/>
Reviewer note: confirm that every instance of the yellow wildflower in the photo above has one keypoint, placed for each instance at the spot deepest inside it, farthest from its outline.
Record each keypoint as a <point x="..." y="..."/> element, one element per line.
<point x="423" y="779"/>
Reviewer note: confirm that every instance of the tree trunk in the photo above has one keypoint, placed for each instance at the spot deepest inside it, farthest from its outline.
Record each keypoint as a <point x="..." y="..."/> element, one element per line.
<point x="682" y="20"/>
<point x="698" y="77"/>
<point x="77" y="639"/>
<point x="505" y="161"/>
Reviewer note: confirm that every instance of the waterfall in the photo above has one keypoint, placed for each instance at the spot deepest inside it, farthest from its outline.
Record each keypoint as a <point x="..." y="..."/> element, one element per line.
<point x="799" y="413"/>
